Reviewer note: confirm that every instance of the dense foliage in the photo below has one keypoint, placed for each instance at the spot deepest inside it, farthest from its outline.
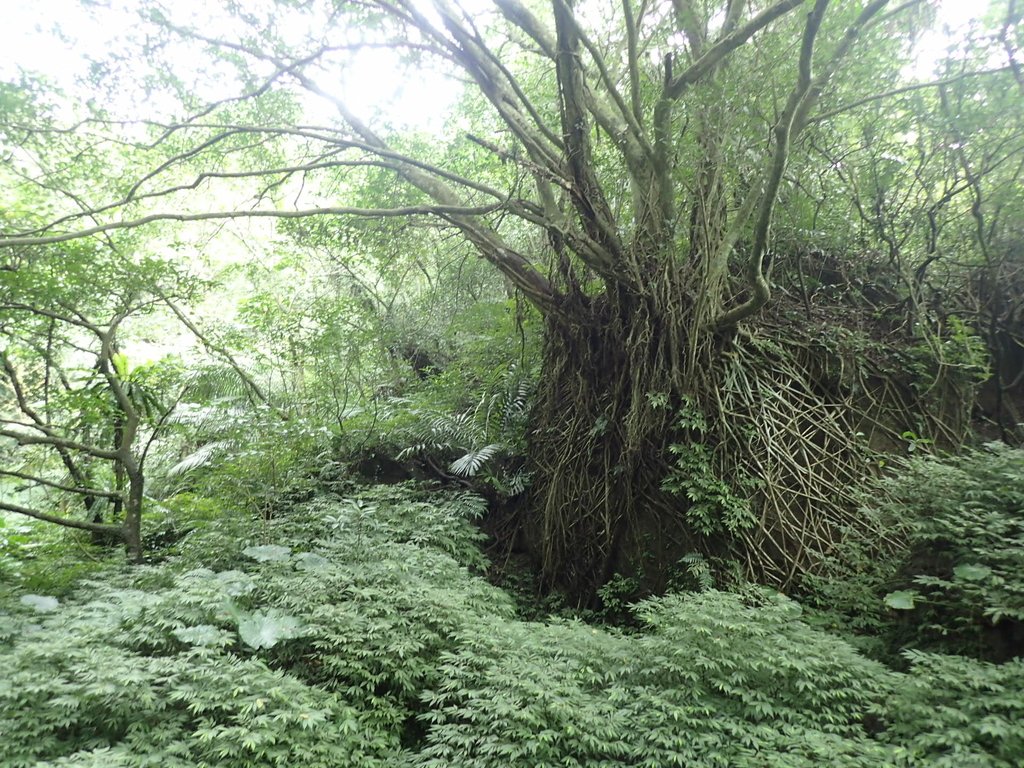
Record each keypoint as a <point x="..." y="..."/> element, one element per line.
<point x="641" y="414"/>
<point x="727" y="220"/>
<point x="358" y="631"/>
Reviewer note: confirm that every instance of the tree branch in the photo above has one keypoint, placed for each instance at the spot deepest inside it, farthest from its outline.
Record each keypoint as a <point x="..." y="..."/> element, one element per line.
<point x="496" y="83"/>
<point x="23" y="405"/>
<point x="760" y="290"/>
<point x="726" y="45"/>
<point x="688" y="21"/>
<point x="586" y="194"/>
<point x="634" y="135"/>
<point x="57" y="441"/>
<point x="537" y="289"/>
<point x="385" y="159"/>
<point x="821" y="116"/>
<point x="59" y="486"/>
<point x="82" y="525"/>
<point x="410" y="210"/>
<point x="225" y="353"/>
<point x="633" y="64"/>
<point x="521" y="17"/>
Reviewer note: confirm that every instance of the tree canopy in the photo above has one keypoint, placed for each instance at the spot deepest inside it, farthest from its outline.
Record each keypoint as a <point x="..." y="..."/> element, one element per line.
<point x="647" y="176"/>
<point x="477" y="383"/>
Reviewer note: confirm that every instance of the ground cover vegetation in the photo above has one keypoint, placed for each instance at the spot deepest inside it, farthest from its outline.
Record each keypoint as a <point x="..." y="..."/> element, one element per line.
<point x="366" y="634"/>
<point x="661" y="407"/>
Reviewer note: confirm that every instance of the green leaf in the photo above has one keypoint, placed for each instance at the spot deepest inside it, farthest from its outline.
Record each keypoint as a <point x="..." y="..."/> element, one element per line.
<point x="469" y="465"/>
<point x="972" y="572"/>
<point x="265" y="630"/>
<point x="311" y="561"/>
<point x="268" y="553"/>
<point x="902" y="600"/>
<point x="236" y="583"/>
<point x="205" y="635"/>
<point x="40" y="603"/>
<point x="120" y="361"/>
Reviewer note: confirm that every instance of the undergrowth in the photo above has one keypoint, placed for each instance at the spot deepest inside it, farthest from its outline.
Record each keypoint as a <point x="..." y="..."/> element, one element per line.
<point x="956" y="582"/>
<point x="359" y="631"/>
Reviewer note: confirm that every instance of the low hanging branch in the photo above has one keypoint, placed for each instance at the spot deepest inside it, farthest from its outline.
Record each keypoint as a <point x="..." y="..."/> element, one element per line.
<point x="66" y="522"/>
<point x="60" y="486"/>
<point x="406" y="211"/>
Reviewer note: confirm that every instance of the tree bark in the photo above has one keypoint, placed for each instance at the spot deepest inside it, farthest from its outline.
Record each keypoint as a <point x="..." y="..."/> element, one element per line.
<point x="132" y="523"/>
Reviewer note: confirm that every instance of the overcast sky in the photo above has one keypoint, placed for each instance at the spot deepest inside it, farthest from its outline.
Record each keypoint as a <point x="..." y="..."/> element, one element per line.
<point x="28" y="41"/>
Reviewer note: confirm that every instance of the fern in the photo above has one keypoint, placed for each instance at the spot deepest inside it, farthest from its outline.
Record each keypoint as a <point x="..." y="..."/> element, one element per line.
<point x="698" y="570"/>
<point x="353" y="633"/>
<point x="201" y="457"/>
<point x="480" y="436"/>
<point x="470" y="463"/>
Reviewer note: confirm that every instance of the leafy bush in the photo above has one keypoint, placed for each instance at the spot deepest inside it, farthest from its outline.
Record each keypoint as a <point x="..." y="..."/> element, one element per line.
<point x="962" y="580"/>
<point x="289" y="657"/>
<point x="950" y="577"/>
<point x="717" y="681"/>
<point x="42" y="558"/>
<point x="354" y="632"/>
<point x="466" y="417"/>
<point x="486" y="438"/>
<point x="952" y="712"/>
<point x="244" y="457"/>
<point x="104" y="682"/>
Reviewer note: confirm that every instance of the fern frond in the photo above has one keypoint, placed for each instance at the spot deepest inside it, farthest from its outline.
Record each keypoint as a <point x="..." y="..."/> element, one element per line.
<point x="699" y="570"/>
<point x="198" y="458"/>
<point x="469" y="464"/>
<point x="517" y="483"/>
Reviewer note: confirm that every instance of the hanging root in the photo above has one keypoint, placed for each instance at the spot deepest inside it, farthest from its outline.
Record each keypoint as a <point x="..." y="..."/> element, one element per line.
<point x="781" y="427"/>
<point x="802" y="451"/>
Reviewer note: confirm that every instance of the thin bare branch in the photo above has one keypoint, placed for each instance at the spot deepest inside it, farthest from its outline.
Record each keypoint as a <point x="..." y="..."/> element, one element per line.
<point x="23" y="405"/>
<point x="23" y="438"/>
<point x="35" y="479"/>
<point x="494" y="81"/>
<point x="409" y="210"/>
<point x="72" y="319"/>
<point x="82" y="525"/>
<point x="821" y="116"/>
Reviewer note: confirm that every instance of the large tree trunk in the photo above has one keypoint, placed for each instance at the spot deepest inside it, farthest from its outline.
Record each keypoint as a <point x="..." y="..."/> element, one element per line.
<point x="649" y="444"/>
<point x="611" y="379"/>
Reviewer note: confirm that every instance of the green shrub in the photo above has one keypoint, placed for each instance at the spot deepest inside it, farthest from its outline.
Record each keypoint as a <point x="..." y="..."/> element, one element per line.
<point x="41" y="558"/>
<point x="102" y="682"/>
<point x="946" y="573"/>
<point x="294" y="655"/>
<point x="716" y="681"/>
<point x="953" y="712"/>
<point x="356" y="632"/>
<point x="961" y="582"/>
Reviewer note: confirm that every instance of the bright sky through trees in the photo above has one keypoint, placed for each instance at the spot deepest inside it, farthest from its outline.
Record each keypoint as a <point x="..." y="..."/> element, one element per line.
<point x="58" y="38"/>
<point x="54" y="38"/>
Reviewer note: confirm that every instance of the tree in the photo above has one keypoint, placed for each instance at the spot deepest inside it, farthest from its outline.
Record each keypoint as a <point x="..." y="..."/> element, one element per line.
<point x="76" y="420"/>
<point x="622" y="171"/>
